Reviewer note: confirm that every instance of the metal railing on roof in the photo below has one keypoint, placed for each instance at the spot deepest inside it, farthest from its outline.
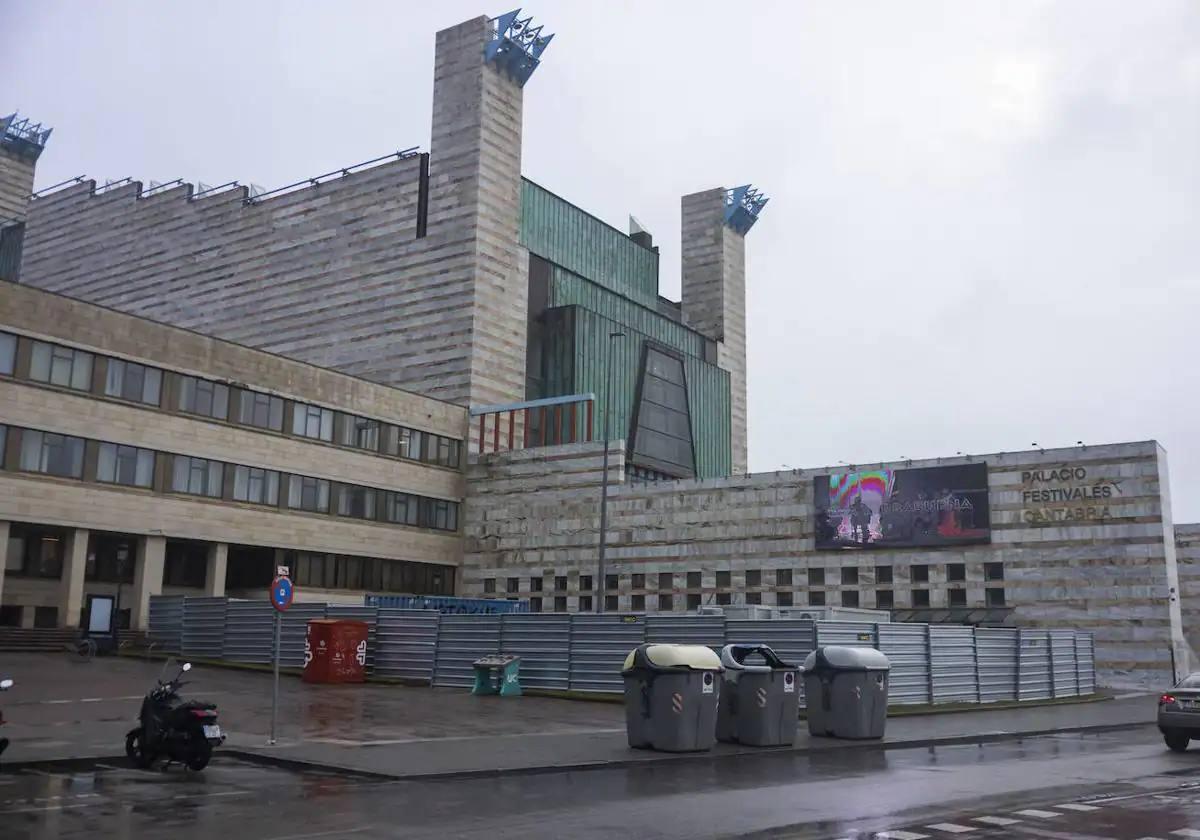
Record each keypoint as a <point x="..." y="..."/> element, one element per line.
<point x="316" y="180"/>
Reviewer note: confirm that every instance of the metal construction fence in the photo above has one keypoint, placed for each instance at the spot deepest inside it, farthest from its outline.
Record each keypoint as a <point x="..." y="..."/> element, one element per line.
<point x="584" y="652"/>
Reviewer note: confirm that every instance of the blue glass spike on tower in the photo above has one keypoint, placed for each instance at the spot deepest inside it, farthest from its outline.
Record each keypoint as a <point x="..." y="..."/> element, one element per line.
<point x="742" y="206"/>
<point x="516" y="46"/>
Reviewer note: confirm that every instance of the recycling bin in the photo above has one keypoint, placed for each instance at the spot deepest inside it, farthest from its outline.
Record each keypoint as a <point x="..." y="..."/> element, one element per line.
<point x="846" y="689"/>
<point x="671" y="695"/>
<point x="760" y="702"/>
<point x="335" y="651"/>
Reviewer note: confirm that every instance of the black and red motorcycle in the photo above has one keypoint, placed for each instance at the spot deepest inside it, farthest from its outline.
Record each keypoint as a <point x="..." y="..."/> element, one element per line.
<point x="5" y="685"/>
<point x="169" y="728"/>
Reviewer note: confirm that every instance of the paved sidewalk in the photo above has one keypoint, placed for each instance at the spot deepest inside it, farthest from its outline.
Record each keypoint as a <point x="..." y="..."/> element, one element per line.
<point x="65" y="709"/>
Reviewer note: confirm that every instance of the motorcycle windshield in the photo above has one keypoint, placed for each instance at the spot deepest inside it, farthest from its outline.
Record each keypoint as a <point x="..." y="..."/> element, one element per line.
<point x="169" y="669"/>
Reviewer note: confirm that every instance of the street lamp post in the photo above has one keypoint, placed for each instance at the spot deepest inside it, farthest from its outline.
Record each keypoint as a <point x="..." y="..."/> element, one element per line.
<point x="602" y="589"/>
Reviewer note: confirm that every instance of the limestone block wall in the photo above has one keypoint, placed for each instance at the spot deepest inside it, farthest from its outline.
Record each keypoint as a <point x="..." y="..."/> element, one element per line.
<point x="1187" y="553"/>
<point x="16" y="183"/>
<point x="1100" y="567"/>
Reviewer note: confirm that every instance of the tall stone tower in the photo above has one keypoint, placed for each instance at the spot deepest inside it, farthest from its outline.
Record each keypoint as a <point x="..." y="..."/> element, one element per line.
<point x="21" y="143"/>
<point x="715" y="223"/>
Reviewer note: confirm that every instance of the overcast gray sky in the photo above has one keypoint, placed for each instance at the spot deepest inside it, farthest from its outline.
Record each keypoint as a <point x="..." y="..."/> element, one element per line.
<point x="984" y="225"/>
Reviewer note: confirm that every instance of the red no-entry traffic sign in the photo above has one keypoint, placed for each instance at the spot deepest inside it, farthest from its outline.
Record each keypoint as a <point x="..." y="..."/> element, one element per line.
<point x="282" y="592"/>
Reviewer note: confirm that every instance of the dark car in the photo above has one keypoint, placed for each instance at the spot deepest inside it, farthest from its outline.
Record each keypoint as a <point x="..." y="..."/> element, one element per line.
<point x="1179" y="713"/>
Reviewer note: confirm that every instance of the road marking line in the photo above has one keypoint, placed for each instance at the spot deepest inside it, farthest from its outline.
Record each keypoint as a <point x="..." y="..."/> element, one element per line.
<point x="322" y="833"/>
<point x="953" y="828"/>
<point x="900" y="835"/>
<point x="1186" y="832"/>
<point x="1000" y="821"/>
<point x="1043" y="815"/>
<point x="1075" y="806"/>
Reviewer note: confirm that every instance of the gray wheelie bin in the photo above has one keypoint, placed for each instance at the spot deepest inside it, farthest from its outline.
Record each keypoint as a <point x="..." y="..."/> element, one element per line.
<point x="846" y="692"/>
<point x="759" y="701"/>
<point x="671" y="694"/>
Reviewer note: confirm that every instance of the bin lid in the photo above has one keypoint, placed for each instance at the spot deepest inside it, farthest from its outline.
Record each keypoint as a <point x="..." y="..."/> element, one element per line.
<point x="734" y="657"/>
<point x="837" y="658"/>
<point x="672" y="657"/>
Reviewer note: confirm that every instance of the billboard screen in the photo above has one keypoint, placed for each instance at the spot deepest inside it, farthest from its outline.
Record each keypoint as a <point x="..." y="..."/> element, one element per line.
<point x="897" y="508"/>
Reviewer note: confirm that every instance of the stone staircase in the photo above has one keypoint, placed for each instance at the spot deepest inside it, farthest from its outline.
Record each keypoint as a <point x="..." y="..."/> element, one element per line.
<point x="36" y="640"/>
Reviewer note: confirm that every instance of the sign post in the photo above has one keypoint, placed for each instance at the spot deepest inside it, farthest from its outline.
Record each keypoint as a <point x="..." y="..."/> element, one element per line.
<point x="282" y="593"/>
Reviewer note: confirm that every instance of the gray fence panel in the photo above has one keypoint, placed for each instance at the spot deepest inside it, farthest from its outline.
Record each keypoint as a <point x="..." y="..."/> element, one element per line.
<point x="686" y="630"/>
<point x="907" y="649"/>
<point x="204" y="627"/>
<point x="791" y="640"/>
<point x="293" y="631"/>
<point x="543" y="641"/>
<point x="1034" y="666"/>
<point x="249" y="632"/>
<point x="406" y="644"/>
<point x="851" y="633"/>
<point x="1085" y="646"/>
<point x="1063" y="679"/>
<point x="997" y="652"/>
<point x="599" y="645"/>
<point x="166" y="622"/>
<point x="367" y="614"/>
<point x="952" y="660"/>
<point x="461" y="640"/>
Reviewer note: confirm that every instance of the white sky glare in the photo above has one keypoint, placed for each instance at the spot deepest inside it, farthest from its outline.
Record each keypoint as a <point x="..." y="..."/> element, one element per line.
<point x="984" y="226"/>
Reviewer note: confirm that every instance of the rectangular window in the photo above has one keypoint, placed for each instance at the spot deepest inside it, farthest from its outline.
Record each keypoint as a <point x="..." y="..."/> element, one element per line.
<point x="560" y="583"/>
<point x="358" y="502"/>
<point x="439" y="514"/>
<point x="816" y="577"/>
<point x="261" y="410"/>
<point x="784" y="599"/>
<point x="850" y="598"/>
<point x="134" y="382"/>
<point x="535" y="584"/>
<point x="956" y="572"/>
<point x="920" y="573"/>
<point x="611" y="582"/>
<point x="585" y="583"/>
<point x="816" y="599"/>
<point x="185" y="564"/>
<point x="693" y="580"/>
<point x="199" y="396"/>
<point x="560" y="603"/>
<point x="885" y="599"/>
<point x="958" y="597"/>
<point x="441" y="450"/>
<point x="400" y="508"/>
<point x="44" y="452"/>
<point x="994" y="596"/>
<point x="198" y="476"/>
<point x="40" y="556"/>
<point x="59" y="365"/>
<point x="754" y="577"/>
<point x="360" y="433"/>
<point x="512" y="586"/>
<point x="783" y="577"/>
<point x="3" y="444"/>
<point x="585" y="603"/>
<point x="126" y="465"/>
<point x="311" y="494"/>
<point x="849" y="575"/>
<point x="883" y="574"/>
<point x="993" y="571"/>
<point x="312" y="421"/>
<point x="405" y="443"/>
<point x="723" y="579"/>
<point x="8" y="353"/>
<point x="45" y="618"/>
<point x="724" y="599"/>
<point x="666" y="603"/>
<point x="666" y="580"/>
<point x="637" y="603"/>
<point x="489" y="585"/>
<point x="535" y="605"/>
<point x="753" y="597"/>
<point x="610" y="603"/>
<point x="693" y="601"/>
<point x="920" y="597"/>
<point x="258" y="486"/>
<point x="639" y="581"/>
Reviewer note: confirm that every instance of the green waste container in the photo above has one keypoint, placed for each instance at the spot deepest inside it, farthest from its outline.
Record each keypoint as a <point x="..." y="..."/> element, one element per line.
<point x="671" y="695"/>
<point x="760" y="702"/>
<point x="846" y="692"/>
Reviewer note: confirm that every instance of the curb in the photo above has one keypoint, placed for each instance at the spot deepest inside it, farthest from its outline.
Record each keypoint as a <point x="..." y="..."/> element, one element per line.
<point x="294" y="763"/>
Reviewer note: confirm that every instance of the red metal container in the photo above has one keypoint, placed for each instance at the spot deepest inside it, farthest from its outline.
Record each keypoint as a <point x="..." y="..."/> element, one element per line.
<point x="335" y="651"/>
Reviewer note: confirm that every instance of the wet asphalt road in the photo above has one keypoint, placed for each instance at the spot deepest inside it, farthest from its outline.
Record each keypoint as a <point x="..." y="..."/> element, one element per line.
<point x="1116" y="786"/>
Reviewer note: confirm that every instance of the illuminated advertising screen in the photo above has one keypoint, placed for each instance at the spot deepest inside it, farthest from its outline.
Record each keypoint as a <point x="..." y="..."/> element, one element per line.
<point x="898" y="508"/>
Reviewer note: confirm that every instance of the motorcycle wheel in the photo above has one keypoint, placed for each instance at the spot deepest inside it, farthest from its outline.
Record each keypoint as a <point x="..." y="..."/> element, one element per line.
<point x="136" y="750"/>
<point x="201" y="754"/>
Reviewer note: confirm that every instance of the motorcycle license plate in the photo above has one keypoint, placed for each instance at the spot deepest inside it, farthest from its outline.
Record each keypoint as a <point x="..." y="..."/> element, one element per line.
<point x="212" y="732"/>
